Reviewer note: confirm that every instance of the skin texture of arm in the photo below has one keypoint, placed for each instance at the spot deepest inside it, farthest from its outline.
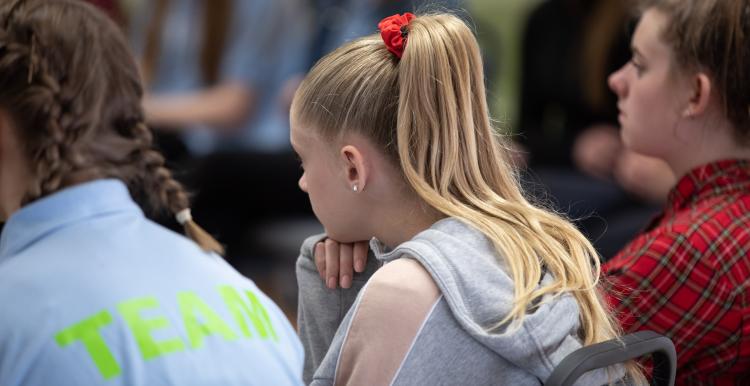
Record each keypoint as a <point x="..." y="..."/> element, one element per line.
<point x="223" y="107"/>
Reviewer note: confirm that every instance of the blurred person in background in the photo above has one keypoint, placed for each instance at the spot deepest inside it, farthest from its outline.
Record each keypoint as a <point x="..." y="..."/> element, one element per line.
<point x="568" y="122"/>
<point x="215" y="69"/>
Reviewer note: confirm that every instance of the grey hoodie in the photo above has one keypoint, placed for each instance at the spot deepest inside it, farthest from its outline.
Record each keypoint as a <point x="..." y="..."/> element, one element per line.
<point x="453" y="300"/>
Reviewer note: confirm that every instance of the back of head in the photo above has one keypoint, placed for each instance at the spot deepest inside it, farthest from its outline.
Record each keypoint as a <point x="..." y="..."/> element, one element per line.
<point x="72" y="90"/>
<point x="427" y="110"/>
<point x="713" y="36"/>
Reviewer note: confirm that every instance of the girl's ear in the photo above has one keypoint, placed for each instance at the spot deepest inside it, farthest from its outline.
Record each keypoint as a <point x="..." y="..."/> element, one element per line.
<point x="700" y="95"/>
<point x="356" y="167"/>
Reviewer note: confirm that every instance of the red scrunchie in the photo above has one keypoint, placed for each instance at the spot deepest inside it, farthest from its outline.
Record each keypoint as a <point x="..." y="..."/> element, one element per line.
<point x="393" y="32"/>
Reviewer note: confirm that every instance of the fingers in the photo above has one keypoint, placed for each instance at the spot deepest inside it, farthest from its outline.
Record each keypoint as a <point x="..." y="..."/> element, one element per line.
<point x="320" y="259"/>
<point x="360" y="256"/>
<point x="332" y="263"/>
<point x="345" y="265"/>
<point x="336" y="262"/>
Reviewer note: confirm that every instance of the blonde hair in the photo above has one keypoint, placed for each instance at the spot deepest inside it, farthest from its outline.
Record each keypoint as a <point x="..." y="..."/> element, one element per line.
<point x="429" y="112"/>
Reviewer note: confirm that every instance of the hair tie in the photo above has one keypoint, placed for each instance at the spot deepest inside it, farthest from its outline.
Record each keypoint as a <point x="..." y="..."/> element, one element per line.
<point x="184" y="216"/>
<point x="394" y="31"/>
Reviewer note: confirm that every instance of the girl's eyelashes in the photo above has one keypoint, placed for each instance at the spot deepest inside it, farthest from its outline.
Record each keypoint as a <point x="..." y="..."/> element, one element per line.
<point x="639" y="68"/>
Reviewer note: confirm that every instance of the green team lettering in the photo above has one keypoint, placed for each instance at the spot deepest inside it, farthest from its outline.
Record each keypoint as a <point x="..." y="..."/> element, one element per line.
<point x="199" y="318"/>
<point x="256" y="312"/>
<point x="141" y="328"/>
<point x="191" y="306"/>
<point x="87" y="332"/>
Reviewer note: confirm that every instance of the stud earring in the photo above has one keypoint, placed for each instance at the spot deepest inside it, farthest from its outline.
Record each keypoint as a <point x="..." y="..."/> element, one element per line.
<point x="355" y="188"/>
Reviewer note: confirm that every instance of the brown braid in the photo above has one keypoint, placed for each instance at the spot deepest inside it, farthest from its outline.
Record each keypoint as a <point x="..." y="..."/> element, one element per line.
<point x="165" y="190"/>
<point x="74" y="95"/>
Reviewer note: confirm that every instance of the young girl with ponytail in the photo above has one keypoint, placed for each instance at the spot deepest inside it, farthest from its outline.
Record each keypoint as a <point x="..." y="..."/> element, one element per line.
<point x="478" y="285"/>
<point x="92" y="291"/>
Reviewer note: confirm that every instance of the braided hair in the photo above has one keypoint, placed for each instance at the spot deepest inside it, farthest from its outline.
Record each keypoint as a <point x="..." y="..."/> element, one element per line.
<point x="72" y="91"/>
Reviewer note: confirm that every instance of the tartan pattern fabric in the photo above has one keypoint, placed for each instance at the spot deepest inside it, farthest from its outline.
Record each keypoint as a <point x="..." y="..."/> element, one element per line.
<point x="688" y="275"/>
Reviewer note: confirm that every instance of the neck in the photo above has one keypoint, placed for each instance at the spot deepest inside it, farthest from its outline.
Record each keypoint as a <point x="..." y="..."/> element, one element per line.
<point x="11" y="195"/>
<point x="712" y="142"/>
<point x="401" y="223"/>
<point x="15" y="172"/>
<point x="14" y="182"/>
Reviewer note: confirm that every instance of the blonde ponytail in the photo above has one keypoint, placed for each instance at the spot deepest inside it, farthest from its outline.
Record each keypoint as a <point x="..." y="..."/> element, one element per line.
<point x="450" y="155"/>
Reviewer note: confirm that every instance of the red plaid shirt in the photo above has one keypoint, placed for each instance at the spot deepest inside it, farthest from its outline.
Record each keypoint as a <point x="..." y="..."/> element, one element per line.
<point x="688" y="275"/>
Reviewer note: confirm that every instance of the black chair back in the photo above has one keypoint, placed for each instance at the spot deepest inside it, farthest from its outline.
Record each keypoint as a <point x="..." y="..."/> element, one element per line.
<point x="615" y="351"/>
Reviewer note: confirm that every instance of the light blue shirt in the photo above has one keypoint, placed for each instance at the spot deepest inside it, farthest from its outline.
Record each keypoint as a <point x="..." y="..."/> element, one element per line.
<point x="94" y="293"/>
<point x="267" y="42"/>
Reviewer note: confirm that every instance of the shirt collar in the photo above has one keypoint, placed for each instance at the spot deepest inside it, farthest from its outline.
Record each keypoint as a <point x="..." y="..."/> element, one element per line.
<point x="710" y="180"/>
<point x="70" y="205"/>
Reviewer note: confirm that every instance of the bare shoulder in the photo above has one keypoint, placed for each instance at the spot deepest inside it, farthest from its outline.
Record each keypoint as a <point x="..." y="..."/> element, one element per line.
<point x="401" y="277"/>
<point x="396" y="303"/>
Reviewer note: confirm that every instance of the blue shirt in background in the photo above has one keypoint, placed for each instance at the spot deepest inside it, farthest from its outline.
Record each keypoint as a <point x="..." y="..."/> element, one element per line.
<point x="94" y="293"/>
<point x="267" y="43"/>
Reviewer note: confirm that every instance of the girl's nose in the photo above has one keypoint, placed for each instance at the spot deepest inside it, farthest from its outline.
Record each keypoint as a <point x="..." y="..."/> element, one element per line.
<point x="617" y="82"/>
